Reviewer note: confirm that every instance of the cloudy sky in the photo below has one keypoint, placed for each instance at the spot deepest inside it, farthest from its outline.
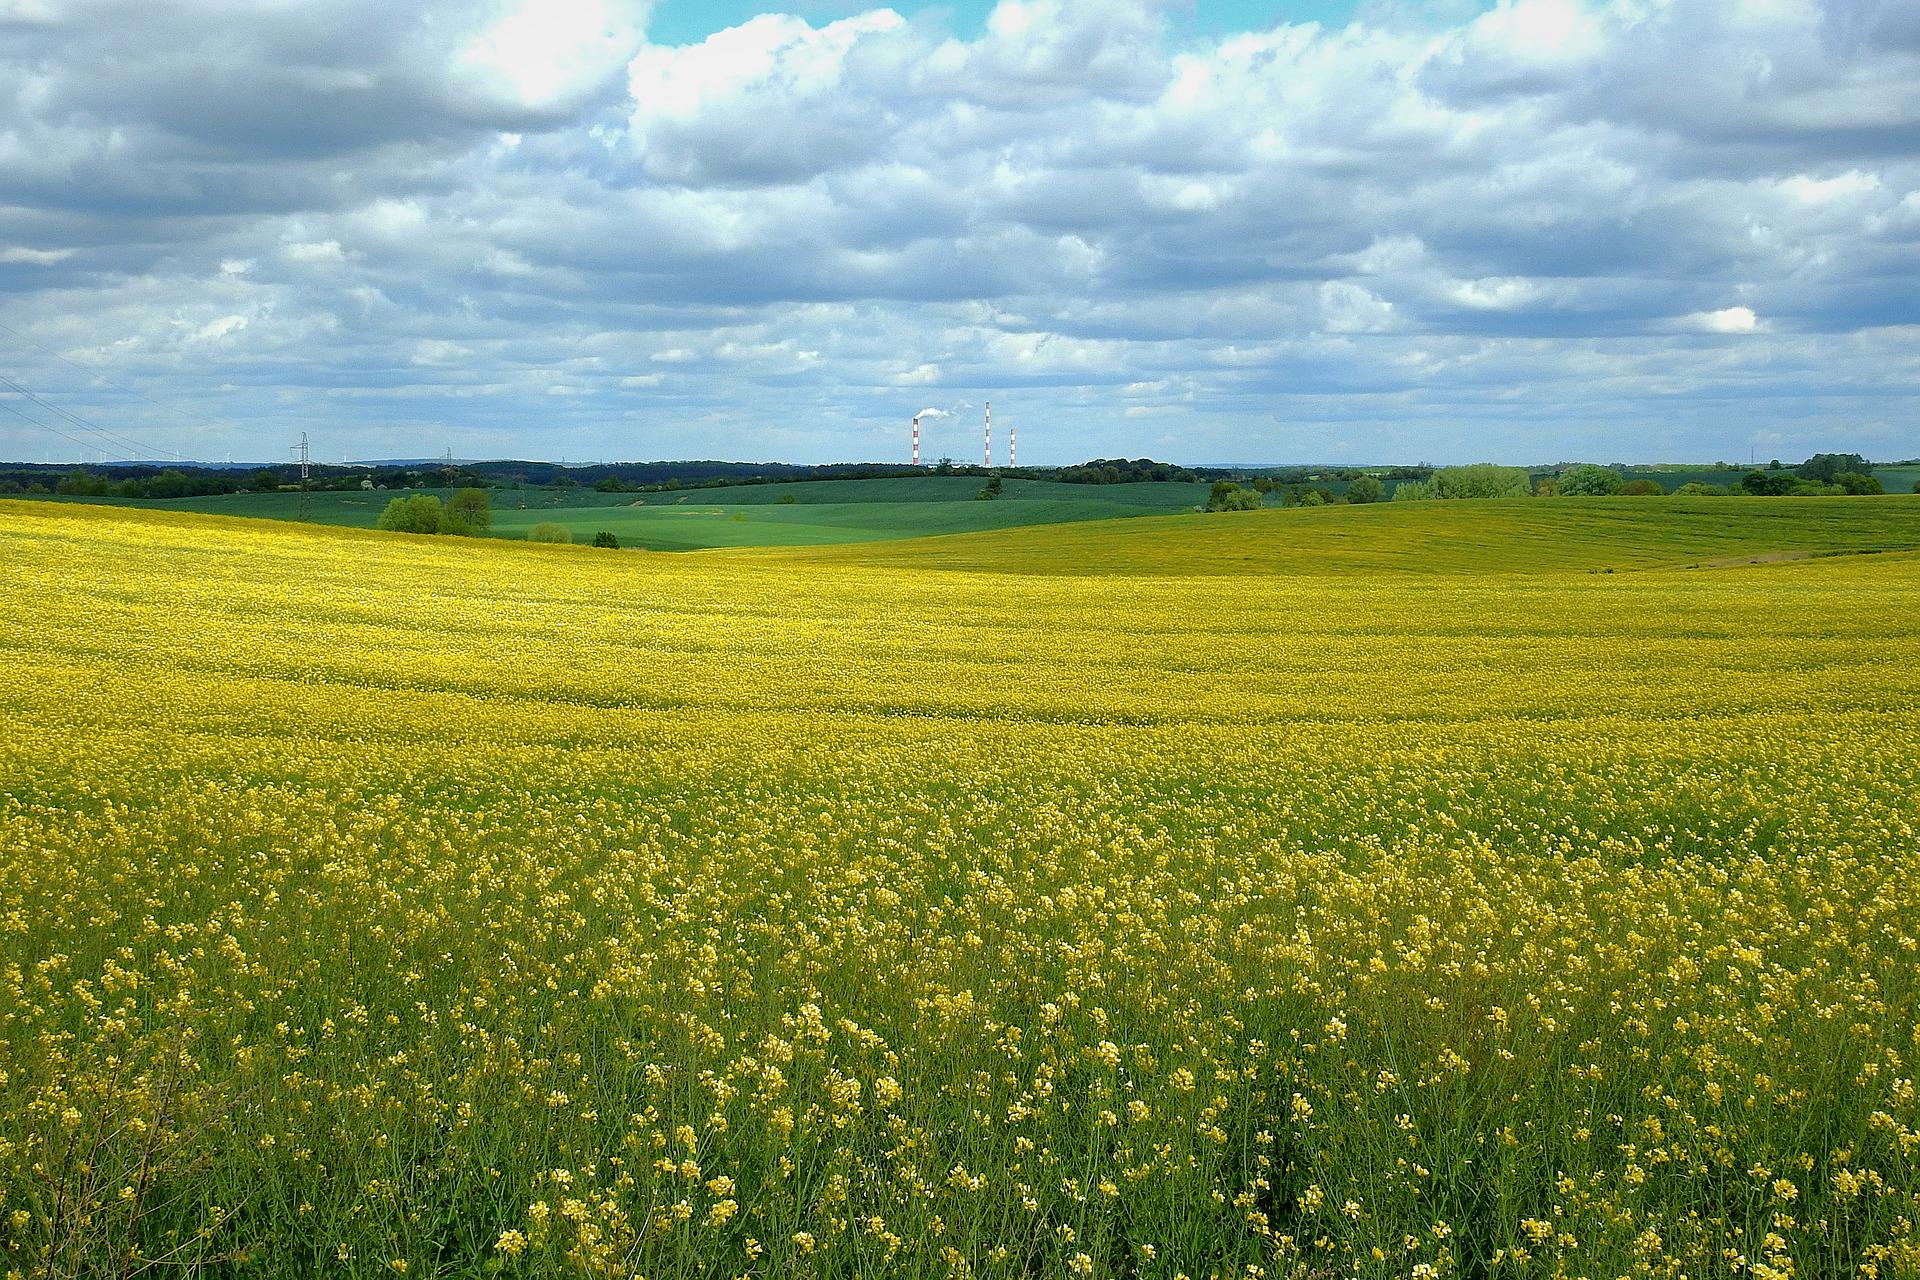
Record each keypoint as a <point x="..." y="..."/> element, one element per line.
<point x="1205" y="230"/>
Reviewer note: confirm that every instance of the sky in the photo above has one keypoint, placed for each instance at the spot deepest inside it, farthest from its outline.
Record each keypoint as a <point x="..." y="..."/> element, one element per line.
<point x="1198" y="230"/>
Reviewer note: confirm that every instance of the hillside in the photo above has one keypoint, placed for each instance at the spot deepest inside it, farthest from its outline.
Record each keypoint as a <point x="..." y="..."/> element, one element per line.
<point x="797" y="513"/>
<point x="1520" y="536"/>
<point x="458" y="907"/>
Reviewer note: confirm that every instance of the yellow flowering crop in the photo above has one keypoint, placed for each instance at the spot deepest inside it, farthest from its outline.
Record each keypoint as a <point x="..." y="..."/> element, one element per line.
<point x="371" y="904"/>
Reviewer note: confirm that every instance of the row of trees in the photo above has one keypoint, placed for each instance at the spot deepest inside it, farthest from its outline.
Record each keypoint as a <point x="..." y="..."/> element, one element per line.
<point x="1824" y="473"/>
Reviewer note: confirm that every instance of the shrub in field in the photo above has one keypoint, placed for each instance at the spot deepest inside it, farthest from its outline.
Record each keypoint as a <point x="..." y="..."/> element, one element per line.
<point x="1858" y="484"/>
<point x="1364" y="488"/>
<point x="1642" y="488"/>
<point x="1228" y="496"/>
<point x="550" y="531"/>
<point x="605" y="538"/>
<point x="419" y="513"/>
<point x="1413" y="491"/>
<point x="1481" y="480"/>
<point x="473" y="508"/>
<point x="1826" y="468"/>
<point x="1587" y="480"/>
<point x="1698" y="489"/>
<point x="1769" y="484"/>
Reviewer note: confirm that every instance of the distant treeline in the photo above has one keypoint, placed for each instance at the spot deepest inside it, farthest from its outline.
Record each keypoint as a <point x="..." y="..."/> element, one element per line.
<point x="192" y="480"/>
<point x="1822" y="473"/>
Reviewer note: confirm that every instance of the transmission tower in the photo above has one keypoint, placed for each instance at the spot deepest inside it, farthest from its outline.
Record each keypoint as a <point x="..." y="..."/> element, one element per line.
<point x="306" y="470"/>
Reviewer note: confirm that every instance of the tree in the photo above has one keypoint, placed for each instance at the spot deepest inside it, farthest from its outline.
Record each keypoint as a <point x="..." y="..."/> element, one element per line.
<point x="1228" y="496"/>
<point x="1825" y="468"/>
<point x="1412" y="491"/>
<point x="474" y="508"/>
<point x="1858" y="483"/>
<point x="82" y="484"/>
<point x="1365" y="488"/>
<point x="1588" y="480"/>
<point x="1695" y="489"/>
<point x="1768" y="484"/>
<point x="606" y="539"/>
<point x="1481" y="480"/>
<point x="417" y="514"/>
<point x="550" y="531"/>
<point x="1642" y="488"/>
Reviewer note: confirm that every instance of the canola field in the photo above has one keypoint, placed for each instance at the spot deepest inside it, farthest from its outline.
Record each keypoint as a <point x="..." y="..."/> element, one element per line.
<point x="373" y="906"/>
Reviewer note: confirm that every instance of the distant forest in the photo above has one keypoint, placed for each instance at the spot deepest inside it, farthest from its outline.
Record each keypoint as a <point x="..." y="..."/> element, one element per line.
<point x="193" y="480"/>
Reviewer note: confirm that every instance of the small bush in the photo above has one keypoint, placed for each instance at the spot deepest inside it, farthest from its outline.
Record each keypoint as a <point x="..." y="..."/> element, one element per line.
<point x="550" y="531"/>
<point x="1696" y="489"/>
<point x="418" y="514"/>
<point x="1365" y="488"/>
<point x="1858" y="483"/>
<point x="787" y="500"/>
<point x="605" y="538"/>
<point x="1481" y="480"/>
<point x="1586" y="480"/>
<point x="472" y="508"/>
<point x="1642" y="489"/>
<point x="1228" y="496"/>
<point x="1413" y="491"/>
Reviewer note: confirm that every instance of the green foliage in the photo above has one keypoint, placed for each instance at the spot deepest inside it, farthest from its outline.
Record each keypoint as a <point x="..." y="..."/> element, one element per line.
<point x="550" y="531"/>
<point x="989" y="491"/>
<point x="1413" y="491"/>
<point x="82" y="484"/>
<point x="1825" y="468"/>
<point x="1311" y="498"/>
<point x="1769" y="484"/>
<point x="1365" y="489"/>
<point x="1700" y="489"/>
<point x="419" y="513"/>
<point x="1481" y="480"/>
<point x="1587" y="480"/>
<point x="474" y="509"/>
<point x="604" y="538"/>
<point x="1228" y="496"/>
<point x="1858" y="484"/>
<point x="787" y="500"/>
<point x="1642" y="488"/>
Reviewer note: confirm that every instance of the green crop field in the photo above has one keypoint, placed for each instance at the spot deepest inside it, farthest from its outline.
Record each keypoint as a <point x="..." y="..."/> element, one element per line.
<point x="826" y="511"/>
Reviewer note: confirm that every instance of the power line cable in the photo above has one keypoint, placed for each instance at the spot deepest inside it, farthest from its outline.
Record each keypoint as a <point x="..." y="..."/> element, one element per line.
<point x="115" y="438"/>
<point x="27" y="417"/>
<point x="117" y="385"/>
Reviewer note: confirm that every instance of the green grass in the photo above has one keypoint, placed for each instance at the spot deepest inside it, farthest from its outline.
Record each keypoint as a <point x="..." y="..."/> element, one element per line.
<point x="1526" y="535"/>
<point x="827" y="511"/>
